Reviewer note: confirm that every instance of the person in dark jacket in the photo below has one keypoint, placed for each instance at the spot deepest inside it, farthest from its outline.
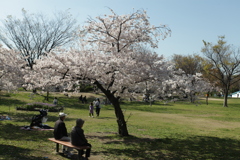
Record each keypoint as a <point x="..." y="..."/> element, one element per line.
<point x="80" y="99"/>
<point x="60" y="132"/>
<point x="98" y="107"/>
<point x="78" y="138"/>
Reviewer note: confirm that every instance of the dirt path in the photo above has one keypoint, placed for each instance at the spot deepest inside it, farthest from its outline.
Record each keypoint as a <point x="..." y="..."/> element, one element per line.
<point x="212" y="99"/>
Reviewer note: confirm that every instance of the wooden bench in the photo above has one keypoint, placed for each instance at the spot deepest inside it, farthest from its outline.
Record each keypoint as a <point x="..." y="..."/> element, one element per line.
<point x="68" y="144"/>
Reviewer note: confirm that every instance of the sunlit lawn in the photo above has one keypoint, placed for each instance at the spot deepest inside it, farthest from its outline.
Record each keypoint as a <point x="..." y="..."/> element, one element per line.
<point x="180" y="130"/>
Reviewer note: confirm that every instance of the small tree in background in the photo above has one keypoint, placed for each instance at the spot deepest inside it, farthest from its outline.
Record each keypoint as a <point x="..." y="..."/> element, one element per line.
<point x="190" y="64"/>
<point x="35" y="35"/>
<point x="225" y="60"/>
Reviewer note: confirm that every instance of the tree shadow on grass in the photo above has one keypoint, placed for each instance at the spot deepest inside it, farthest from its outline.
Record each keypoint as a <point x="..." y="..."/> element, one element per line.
<point x="199" y="147"/>
<point x="13" y="132"/>
<point x="11" y="102"/>
<point x="11" y="136"/>
<point x="12" y="152"/>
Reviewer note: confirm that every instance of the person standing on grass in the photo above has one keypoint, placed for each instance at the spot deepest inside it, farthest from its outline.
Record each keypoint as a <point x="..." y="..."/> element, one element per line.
<point x="60" y="132"/>
<point x="91" y="108"/>
<point x="80" y="98"/>
<point x="55" y="101"/>
<point x="84" y="99"/>
<point x="98" y="107"/>
<point x="78" y="138"/>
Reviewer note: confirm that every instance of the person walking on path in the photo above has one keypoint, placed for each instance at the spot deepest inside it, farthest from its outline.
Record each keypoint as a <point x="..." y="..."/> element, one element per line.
<point x="78" y="138"/>
<point x="91" y="108"/>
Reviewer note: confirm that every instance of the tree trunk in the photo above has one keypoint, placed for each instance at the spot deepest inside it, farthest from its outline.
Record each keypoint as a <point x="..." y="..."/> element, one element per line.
<point x="207" y="95"/>
<point x="225" y="92"/>
<point x="47" y="98"/>
<point x="225" y="104"/>
<point x="122" y="125"/>
<point x="192" y="97"/>
<point x="34" y="90"/>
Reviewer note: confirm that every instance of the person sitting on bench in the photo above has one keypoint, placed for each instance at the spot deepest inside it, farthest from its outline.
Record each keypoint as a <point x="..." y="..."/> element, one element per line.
<point x="78" y="138"/>
<point x="60" y="133"/>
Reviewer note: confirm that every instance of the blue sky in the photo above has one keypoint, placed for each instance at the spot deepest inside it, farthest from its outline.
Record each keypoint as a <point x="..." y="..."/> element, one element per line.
<point x="191" y="21"/>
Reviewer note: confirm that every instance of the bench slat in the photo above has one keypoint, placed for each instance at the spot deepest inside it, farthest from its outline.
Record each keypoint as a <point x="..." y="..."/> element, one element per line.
<point x="68" y="144"/>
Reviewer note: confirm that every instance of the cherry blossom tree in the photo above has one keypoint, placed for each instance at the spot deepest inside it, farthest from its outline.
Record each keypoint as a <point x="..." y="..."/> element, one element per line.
<point x="109" y="57"/>
<point x="11" y="69"/>
<point x="186" y="85"/>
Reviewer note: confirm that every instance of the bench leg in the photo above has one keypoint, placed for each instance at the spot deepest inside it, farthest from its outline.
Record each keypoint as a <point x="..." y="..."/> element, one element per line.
<point x="57" y="147"/>
<point x="80" y="153"/>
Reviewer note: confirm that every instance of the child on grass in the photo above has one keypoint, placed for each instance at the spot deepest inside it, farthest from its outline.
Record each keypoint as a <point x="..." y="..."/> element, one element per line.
<point x="91" y="108"/>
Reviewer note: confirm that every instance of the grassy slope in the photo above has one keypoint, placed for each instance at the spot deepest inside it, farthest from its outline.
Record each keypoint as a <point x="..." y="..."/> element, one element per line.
<point x="178" y="130"/>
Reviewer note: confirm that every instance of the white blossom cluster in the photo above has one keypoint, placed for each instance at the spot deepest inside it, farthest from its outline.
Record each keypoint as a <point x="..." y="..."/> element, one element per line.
<point x="185" y="85"/>
<point x="11" y="69"/>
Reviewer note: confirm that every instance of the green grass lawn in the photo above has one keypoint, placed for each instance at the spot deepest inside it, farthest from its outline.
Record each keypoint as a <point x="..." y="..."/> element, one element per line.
<point x="179" y="130"/>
